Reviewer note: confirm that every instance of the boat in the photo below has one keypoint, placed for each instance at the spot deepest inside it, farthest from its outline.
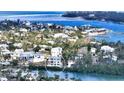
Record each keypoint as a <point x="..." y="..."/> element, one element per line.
<point x="96" y="32"/>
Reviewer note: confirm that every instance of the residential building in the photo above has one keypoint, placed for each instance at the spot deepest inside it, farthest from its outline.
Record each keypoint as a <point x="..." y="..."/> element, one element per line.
<point x="62" y="35"/>
<point x="55" y="61"/>
<point x="32" y="57"/>
<point x="70" y="63"/>
<point x="57" y="51"/>
<point x="107" y="49"/>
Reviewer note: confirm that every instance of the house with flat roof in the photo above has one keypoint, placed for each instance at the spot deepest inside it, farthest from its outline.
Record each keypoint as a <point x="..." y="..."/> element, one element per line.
<point x="57" y="51"/>
<point x="55" y="61"/>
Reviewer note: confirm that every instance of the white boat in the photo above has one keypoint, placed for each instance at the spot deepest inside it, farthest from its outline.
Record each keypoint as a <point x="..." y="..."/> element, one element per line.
<point x="96" y="32"/>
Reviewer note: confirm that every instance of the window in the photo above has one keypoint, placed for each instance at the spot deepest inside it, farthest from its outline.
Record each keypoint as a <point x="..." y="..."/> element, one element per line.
<point x="93" y="54"/>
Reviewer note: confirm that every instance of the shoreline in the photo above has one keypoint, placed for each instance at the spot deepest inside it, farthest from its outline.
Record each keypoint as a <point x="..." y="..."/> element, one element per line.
<point x="92" y="69"/>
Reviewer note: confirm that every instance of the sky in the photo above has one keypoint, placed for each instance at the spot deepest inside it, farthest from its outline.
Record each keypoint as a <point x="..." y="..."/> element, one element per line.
<point x="61" y="5"/>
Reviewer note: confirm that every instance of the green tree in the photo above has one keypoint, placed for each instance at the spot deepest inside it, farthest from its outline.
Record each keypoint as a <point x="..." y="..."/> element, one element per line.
<point x="36" y="49"/>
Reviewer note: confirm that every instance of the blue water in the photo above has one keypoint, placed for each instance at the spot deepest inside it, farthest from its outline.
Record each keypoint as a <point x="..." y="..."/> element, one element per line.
<point x="84" y="77"/>
<point x="55" y="17"/>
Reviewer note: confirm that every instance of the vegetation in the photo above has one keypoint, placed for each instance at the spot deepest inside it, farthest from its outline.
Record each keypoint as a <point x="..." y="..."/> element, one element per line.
<point x="97" y="15"/>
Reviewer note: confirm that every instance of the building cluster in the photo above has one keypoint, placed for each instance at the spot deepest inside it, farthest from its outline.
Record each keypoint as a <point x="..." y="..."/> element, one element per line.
<point x="26" y="43"/>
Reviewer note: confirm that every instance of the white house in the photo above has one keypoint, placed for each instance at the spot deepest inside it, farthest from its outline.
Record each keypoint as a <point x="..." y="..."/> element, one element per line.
<point x="17" y="52"/>
<point x="51" y="42"/>
<point x="93" y="50"/>
<point x="23" y="30"/>
<point x="5" y="52"/>
<point x="27" y="23"/>
<point x="3" y="79"/>
<point x="114" y="58"/>
<point x="3" y="46"/>
<point x="32" y="57"/>
<point x="57" y="51"/>
<point x="17" y="45"/>
<point x="107" y="49"/>
<point x="5" y="63"/>
<point x="70" y="63"/>
<point x="37" y="58"/>
<point x="55" y="61"/>
<point x="62" y="35"/>
<point x="16" y="34"/>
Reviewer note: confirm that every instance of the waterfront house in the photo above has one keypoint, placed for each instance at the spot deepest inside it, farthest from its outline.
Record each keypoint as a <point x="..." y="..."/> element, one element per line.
<point x="37" y="57"/>
<point x="71" y="63"/>
<point x="107" y="49"/>
<point x="3" y="79"/>
<point x="94" y="56"/>
<point x="32" y="57"/>
<point x="108" y="54"/>
<point x="55" y="61"/>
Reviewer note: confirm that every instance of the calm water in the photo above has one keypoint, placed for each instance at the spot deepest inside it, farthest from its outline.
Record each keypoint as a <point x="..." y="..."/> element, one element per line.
<point x="84" y="77"/>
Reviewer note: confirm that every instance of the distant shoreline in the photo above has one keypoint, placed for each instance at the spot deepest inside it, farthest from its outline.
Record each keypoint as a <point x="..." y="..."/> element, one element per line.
<point x="104" y="16"/>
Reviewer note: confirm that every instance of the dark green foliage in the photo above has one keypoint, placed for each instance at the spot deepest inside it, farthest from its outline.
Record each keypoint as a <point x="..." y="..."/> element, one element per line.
<point x="36" y="49"/>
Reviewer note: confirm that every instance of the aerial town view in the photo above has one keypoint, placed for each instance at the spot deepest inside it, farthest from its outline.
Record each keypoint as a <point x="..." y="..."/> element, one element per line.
<point x="61" y="46"/>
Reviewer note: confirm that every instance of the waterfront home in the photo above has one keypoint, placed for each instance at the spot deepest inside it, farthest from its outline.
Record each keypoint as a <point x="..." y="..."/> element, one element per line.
<point x="55" y="61"/>
<point x="108" y="54"/>
<point x="3" y="79"/>
<point x="57" y="51"/>
<point x="71" y="63"/>
<point x="24" y="56"/>
<point x="37" y="58"/>
<point x="27" y="23"/>
<point x="32" y="57"/>
<point x="107" y="49"/>
<point x="93" y="50"/>
<point x="94" y="56"/>
<point x="114" y="58"/>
